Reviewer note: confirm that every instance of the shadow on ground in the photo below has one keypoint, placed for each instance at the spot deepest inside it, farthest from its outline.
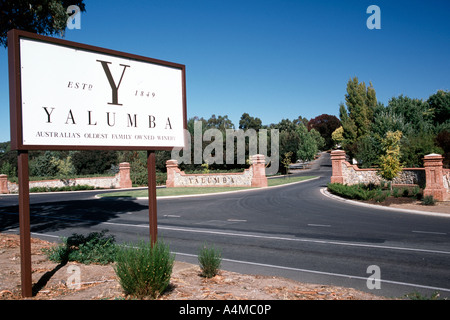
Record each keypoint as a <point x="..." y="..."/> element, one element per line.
<point x="56" y="216"/>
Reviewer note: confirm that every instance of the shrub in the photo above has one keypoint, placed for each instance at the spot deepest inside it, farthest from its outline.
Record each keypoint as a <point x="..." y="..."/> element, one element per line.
<point x="380" y="196"/>
<point x="429" y="201"/>
<point x="209" y="259"/>
<point x="405" y="193"/>
<point x="415" y="191"/>
<point x="77" y="187"/>
<point x="358" y="192"/>
<point x="96" y="247"/>
<point x="143" y="270"/>
<point x="59" y="253"/>
<point x="396" y="192"/>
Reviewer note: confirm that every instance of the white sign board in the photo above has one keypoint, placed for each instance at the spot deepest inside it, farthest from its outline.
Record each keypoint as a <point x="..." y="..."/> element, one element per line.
<point x="80" y="98"/>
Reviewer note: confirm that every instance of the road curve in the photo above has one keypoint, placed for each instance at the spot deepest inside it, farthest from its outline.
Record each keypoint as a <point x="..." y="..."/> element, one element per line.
<point x="293" y="231"/>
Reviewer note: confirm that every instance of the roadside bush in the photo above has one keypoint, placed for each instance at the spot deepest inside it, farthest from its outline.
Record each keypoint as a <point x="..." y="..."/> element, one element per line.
<point x="372" y="192"/>
<point x="380" y="195"/>
<point x="429" y="201"/>
<point x="358" y="192"/>
<point x="96" y="247"/>
<point x="405" y="193"/>
<point x="416" y="193"/>
<point x="396" y="192"/>
<point x="78" y="187"/>
<point x="144" y="271"/>
<point x="209" y="259"/>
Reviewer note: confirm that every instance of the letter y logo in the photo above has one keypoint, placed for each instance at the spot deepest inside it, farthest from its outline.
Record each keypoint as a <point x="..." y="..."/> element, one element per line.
<point x="112" y="83"/>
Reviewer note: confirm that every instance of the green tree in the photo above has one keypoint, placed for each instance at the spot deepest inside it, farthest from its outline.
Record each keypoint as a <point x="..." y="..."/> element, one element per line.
<point x="440" y="104"/>
<point x="368" y="150"/>
<point x="219" y="122"/>
<point x="248" y="122"/>
<point x="361" y="102"/>
<point x="320" y="141"/>
<point x="416" y="145"/>
<point x="387" y="119"/>
<point x="338" y="135"/>
<point x="308" y="145"/>
<point x="286" y="161"/>
<point x="8" y="169"/>
<point x="64" y="166"/>
<point x="416" y="112"/>
<point x="45" y="165"/>
<point x="325" y="124"/>
<point x="46" y="17"/>
<point x="348" y="125"/>
<point x="8" y="159"/>
<point x="285" y="125"/>
<point x="93" y="162"/>
<point x="289" y="142"/>
<point x="390" y="165"/>
<point x="443" y="141"/>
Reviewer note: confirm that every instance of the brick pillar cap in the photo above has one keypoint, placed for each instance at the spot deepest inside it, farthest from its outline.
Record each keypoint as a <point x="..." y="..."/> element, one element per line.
<point x="258" y="158"/>
<point x="124" y="164"/>
<point x="3" y="175"/>
<point x="172" y="162"/>
<point x="433" y="156"/>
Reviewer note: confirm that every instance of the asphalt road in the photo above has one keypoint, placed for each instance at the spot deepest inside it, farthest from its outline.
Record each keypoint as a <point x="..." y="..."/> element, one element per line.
<point x="293" y="231"/>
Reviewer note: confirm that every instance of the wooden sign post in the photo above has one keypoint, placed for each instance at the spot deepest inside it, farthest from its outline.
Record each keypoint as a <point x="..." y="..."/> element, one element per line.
<point x="71" y="96"/>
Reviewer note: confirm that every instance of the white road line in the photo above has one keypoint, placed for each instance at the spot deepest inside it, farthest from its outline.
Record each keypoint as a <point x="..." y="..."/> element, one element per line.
<point x="319" y="225"/>
<point x="323" y="273"/>
<point x="429" y="232"/>
<point x="244" y="235"/>
<point x="301" y="240"/>
<point x="298" y="269"/>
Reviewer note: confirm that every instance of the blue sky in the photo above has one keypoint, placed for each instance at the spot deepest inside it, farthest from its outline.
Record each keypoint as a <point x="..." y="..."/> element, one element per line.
<point x="274" y="59"/>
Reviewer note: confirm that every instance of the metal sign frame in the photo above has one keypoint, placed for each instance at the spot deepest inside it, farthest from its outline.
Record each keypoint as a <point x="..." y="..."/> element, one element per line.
<point x="17" y="143"/>
<point x="82" y="50"/>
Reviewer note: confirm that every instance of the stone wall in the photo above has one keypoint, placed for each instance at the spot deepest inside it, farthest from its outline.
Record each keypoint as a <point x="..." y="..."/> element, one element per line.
<point x="119" y="181"/>
<point x="433" y="178"/>
<point x="409" y="176"/>
<point x="254" y="176"/>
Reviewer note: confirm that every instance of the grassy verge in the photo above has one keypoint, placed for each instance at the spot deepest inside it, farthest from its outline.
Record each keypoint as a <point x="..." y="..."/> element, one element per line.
<point x="285" y="180"/>
<point x="199" y="190"/>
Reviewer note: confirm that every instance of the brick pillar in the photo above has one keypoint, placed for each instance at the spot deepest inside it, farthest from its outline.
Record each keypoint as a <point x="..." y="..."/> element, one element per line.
<point x="125" y="177"/>
<point x="434" y="177"/>
<point x="337" y="157"/>
<point x="172" y="168"/>
<point x="3" y="183"/>
<point x="258" y="163"/>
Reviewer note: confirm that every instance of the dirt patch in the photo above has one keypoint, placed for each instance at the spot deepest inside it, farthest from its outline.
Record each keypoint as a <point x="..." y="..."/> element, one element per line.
<point x="51" y="281"/>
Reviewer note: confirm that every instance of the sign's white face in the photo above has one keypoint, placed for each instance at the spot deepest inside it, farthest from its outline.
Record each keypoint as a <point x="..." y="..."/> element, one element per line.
<point x="73" y="97"/>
